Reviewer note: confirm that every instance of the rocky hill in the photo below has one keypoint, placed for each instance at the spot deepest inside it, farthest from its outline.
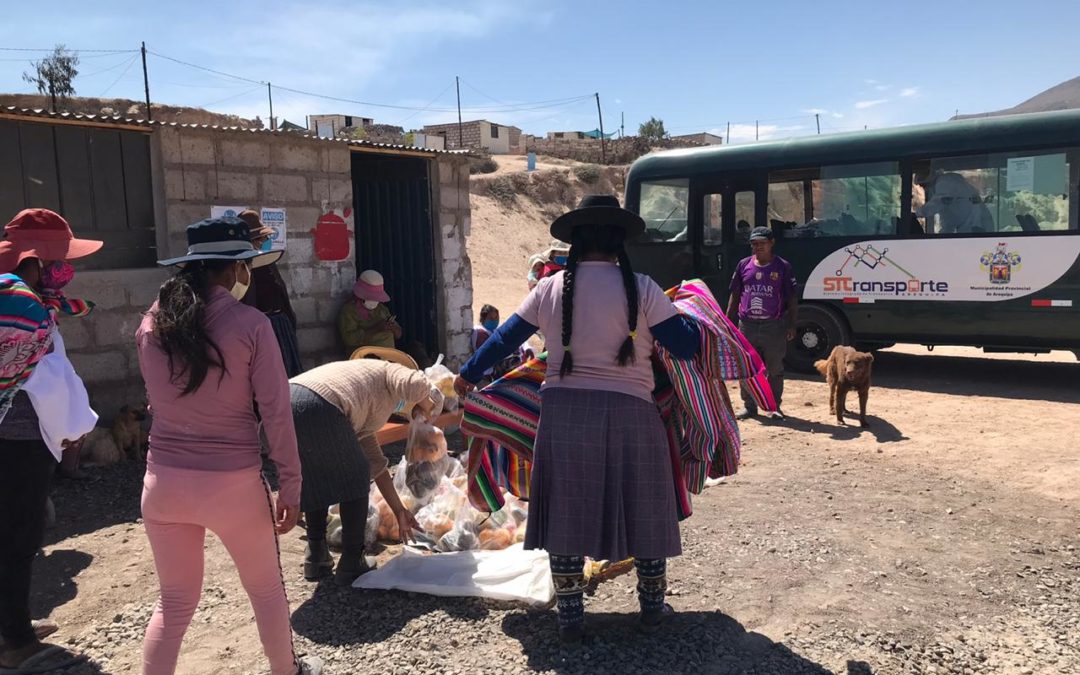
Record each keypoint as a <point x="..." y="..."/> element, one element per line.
<point x="1064" y="96"/>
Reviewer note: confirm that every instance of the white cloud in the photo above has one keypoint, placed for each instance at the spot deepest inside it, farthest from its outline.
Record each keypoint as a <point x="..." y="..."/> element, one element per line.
<point x="871" y="82"/>
<point x="883" y="87"/>
<point x="837" y="115"/>
<point x="863" y="105"/>
<point x="908" y="92"/>
<point x="618" y="101"/>
<point x="815" y="111"/>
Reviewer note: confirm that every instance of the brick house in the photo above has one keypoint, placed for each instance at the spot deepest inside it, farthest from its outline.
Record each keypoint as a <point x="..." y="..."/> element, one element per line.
<point x="137" y="185"/>
<point x="495" y="138"/>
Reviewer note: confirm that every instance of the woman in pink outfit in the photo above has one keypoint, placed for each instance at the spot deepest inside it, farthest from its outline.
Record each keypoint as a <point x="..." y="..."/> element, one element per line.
<point x="205" y="358"/>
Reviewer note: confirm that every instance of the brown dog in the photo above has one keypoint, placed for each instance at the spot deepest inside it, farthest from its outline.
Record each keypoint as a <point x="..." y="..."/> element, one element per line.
<point x="847" y="370"/>
<point x="127" y="431"/>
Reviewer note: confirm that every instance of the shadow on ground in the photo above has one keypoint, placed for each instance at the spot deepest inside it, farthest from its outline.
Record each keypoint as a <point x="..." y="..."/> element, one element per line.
<point x="692" y="642"/>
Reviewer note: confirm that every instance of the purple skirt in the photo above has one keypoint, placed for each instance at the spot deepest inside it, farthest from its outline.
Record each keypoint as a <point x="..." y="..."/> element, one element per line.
<point x="601" y="478"/>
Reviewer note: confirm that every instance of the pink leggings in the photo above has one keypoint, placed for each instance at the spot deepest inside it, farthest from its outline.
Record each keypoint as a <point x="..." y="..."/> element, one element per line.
<point x="178" y="506"/>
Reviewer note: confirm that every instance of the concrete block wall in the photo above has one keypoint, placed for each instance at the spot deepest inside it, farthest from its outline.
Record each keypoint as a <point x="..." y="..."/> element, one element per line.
<point x="308" y="177"/>
<point x="471" y="134"/>
<point x="451" y="204"/>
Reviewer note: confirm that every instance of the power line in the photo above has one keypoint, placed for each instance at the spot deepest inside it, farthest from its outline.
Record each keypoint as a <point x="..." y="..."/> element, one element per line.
<point x="430" y="103"/>
<point x="130" y="63"/>
<point x="209" y="70"/>
<point x="467" y="84"/>
<point x="119" y="64"/>
<point x="230" y="98"/>
<point x="67" y="49"/>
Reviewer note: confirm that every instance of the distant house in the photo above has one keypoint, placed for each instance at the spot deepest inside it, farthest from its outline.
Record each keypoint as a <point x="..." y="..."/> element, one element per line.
<point x="593" y="135"/>
<point x="328" y="126"/>
<point x="704" y="138"/>
<point x="498" y="139"/>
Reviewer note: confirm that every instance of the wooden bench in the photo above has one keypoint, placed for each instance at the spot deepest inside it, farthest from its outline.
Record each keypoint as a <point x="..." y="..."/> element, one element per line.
<point x="396" y="432"/>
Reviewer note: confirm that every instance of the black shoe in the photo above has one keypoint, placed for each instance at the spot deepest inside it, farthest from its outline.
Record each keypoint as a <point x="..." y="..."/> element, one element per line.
<point x="650" y="622"/>
<point x="317" y="561"/>
<point x="350" y="568"/>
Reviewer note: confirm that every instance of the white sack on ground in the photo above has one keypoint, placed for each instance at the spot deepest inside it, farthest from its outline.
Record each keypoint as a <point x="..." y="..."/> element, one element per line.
<point x="511" y="574"/>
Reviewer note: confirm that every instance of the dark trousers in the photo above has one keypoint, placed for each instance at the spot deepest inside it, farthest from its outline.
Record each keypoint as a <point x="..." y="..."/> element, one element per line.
<point x="353" y="524"/>
<point x="769" y="340"/>
<point x="25" y="470"/>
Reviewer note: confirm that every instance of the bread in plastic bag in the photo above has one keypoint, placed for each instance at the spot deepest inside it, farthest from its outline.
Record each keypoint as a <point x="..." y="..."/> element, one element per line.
<point x="437" y="518"/>
<point x="443" y="378"/>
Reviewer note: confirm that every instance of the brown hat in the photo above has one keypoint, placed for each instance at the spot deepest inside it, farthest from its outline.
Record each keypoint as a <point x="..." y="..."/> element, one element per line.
<point x="255" y="224"/>
<point x="42" y="234"/>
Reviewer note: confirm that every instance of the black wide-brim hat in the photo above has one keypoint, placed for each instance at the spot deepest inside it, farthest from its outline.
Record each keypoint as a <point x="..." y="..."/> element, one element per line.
<point x="597" y="210"/>
<point x="225" y="238"/>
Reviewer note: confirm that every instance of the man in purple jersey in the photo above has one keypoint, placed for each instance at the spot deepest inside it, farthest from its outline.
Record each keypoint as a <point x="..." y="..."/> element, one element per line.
<point x="764" y="299"/>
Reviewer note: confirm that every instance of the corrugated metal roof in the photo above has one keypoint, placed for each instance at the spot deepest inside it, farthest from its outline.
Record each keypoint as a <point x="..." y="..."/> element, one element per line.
<point x="127" y="121"/>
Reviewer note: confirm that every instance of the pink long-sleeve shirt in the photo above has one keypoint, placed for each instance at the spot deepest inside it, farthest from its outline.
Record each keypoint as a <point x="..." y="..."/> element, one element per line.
<point x="214" y="428"/>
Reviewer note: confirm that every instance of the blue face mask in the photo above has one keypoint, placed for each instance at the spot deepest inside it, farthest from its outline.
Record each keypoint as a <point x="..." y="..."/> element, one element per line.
<point x="400" y="407"/>
<point x="490" y="325"/>
<point x="560" y="260"/>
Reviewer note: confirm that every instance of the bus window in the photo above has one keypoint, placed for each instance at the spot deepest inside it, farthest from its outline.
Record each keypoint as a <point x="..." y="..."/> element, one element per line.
<point x="1007" y="192"/>
<point x="744" y="215"/>
<point x="664" y="208"/>
<point x="713" y="218"/>
<point x="853" y="200"/>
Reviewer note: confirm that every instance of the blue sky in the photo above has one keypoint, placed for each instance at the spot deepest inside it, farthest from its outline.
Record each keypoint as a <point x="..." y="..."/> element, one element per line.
<point x="695" y="64"/>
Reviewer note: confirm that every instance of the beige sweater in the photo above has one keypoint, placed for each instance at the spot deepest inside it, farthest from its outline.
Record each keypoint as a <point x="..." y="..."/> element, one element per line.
<point x="367" y="391"/>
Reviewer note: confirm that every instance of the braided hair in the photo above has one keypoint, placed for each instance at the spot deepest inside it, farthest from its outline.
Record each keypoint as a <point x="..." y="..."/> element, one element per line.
<point x="179" y="323"/>
<point x="605" y="240"/>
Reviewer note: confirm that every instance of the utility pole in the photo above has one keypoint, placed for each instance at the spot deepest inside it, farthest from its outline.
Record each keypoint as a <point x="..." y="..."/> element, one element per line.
<point x="757" y="136"/>
<point x="270" y="95"/>
<point x="817" y="118"/>
<point x="146" y="83"/>
<point x="622" y="124"/>
<point x="728" y="138"/>
<point x="460" y="132"/>
<point x="603" y="143"/>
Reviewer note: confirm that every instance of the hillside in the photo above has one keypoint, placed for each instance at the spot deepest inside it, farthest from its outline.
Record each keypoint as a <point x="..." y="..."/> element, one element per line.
<point x="1064" y="96"/>
<point x="125" y="107"/>
<point x="511" y="213"/>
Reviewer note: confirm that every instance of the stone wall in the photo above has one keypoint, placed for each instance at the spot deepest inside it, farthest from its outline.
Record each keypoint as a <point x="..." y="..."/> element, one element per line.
<point x="616" y="150"/>
<point x="309" y="177"/>
<point x="470" y="134"/>
<point x="196" y="168"/>
<point x="450" y="201"/>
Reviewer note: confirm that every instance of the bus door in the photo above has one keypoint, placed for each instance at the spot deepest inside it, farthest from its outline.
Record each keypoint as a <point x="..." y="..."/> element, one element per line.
<point x="729" y="207"/>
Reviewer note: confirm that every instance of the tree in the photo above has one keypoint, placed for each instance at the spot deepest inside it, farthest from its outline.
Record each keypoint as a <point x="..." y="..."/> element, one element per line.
<point x="653" y="130"/>
<point x="53" y="75"/>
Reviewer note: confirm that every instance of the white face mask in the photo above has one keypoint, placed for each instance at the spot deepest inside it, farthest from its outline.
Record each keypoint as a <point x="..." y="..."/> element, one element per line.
<point x="371" y="304"/>
<point x="239" y="290"/>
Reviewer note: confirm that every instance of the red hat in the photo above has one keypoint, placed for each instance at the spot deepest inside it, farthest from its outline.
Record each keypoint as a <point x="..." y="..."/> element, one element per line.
<point x="42" y="234"/>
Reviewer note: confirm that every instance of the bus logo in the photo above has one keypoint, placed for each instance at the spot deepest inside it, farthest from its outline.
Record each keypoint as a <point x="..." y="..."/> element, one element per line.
<point x="1000" y="264"/>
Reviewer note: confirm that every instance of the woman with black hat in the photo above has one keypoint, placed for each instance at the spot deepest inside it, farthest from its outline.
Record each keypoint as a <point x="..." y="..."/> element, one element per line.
<point x="205" y="357"/>
<point x="601" y="483"/>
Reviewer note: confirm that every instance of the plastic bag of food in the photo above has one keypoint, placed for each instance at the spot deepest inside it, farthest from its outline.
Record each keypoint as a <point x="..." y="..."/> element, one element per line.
<point x="426" y="443"/>
<point x="463" y="536"/>
<point x="437" y="518"/>
<point x="442" y="378"/>
<point x="333" y="528"/>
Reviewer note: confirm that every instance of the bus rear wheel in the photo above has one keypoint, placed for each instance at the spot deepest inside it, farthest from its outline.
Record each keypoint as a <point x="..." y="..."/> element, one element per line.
<point x="817" y="330"/>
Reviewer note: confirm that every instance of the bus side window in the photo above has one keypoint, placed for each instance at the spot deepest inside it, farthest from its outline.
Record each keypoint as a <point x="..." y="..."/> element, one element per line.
<point x="983" y="194"/>
<point x="713" y="212"/>
<point x="744" y="215"/>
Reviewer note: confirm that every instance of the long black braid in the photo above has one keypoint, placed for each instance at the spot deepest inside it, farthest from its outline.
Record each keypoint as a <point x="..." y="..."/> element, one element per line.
<point x="179" y="324"/>
<point x="568" y="307"/>
<point x="605" y="240"/>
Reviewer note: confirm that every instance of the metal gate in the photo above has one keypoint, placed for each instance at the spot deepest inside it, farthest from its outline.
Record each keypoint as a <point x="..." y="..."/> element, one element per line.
<point x="394" y="235"/>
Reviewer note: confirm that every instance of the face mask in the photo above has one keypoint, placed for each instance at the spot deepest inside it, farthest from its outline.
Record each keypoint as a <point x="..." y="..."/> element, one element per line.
<point x="560" y="260"/>
<point x="490" y="325"/>
<point x="239" y="290"/>
<point x="400" y="407"/>
<point x="55" y="276"/>
<point x="371" y="304"/>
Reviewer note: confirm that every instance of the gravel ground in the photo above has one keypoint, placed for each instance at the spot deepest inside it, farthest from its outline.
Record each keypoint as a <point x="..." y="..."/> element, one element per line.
<point x="922" y="546"/>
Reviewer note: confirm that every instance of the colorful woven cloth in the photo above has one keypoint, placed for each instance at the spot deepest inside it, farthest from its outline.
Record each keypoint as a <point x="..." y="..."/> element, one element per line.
<point x="703" y="435"/>
<point x="27" y="322"/>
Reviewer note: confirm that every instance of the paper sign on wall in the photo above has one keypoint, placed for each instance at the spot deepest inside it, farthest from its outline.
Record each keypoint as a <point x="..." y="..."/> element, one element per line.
<point x="275" y="218"/>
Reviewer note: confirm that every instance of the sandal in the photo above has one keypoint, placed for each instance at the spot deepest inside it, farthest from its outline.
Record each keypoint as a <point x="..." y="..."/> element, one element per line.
<point x="650" y="622"/>
<point x="45" y="661"/>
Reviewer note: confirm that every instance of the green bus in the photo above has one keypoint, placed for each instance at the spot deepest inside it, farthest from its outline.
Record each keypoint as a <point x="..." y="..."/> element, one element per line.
<point x="958" y="233"/>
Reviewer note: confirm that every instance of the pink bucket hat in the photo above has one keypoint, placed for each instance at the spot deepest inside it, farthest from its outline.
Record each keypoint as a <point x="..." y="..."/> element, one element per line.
<point x="369" y="286"/>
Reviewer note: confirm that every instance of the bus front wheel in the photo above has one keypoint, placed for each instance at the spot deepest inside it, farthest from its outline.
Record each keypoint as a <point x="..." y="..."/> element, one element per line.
<point x="817" y="330"/>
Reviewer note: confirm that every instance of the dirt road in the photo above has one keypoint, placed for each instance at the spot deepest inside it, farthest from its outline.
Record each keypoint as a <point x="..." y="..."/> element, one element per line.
<point x="942" y="539"/>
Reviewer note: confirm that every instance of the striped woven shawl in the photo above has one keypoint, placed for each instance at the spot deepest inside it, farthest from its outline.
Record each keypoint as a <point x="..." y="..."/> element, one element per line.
<point x="703" y="436"/>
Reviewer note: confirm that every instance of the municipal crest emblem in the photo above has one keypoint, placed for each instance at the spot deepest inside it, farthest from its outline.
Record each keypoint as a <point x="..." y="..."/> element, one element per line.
<point x="1000" y="264"/>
